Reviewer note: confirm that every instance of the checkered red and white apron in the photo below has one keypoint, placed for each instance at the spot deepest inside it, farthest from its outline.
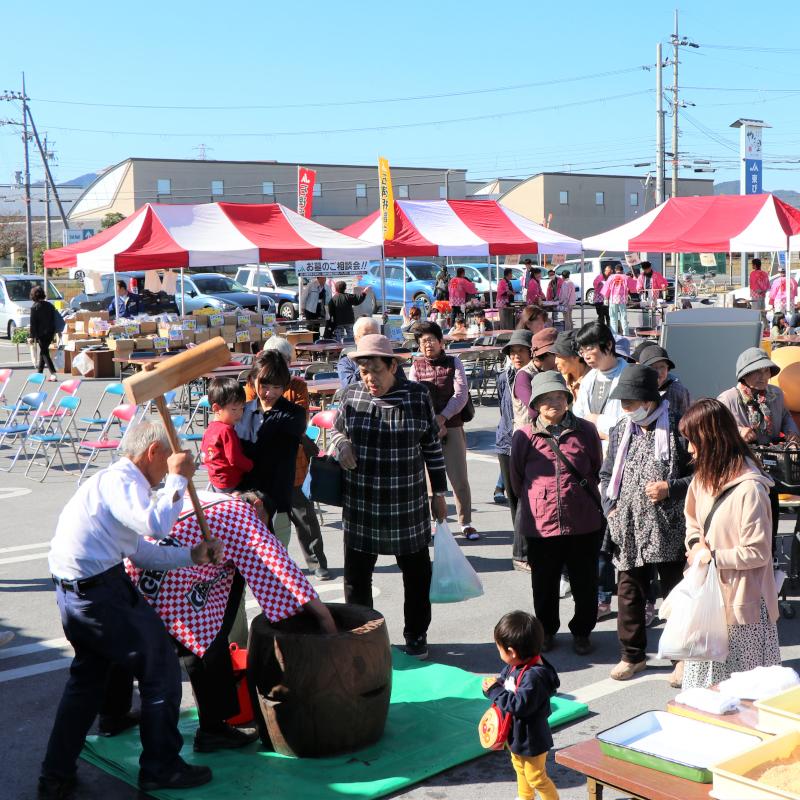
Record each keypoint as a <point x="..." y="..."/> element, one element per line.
<point x="192" y="600"/>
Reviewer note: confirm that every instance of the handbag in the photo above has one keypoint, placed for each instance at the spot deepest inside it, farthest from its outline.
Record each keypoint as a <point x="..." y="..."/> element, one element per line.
<point x="584" y="482"/>
<point x="494" y="727"/>
<point x="326" y="481"/>
<point x="468" y="412"/>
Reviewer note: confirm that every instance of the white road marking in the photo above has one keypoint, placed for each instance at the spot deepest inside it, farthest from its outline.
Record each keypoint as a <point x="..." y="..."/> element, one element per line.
<point x="34" y="669"/>
<point x="17" y="559"/>
<point x="608" y="686"/>
<point x="326" y="587"/>
<point x="36" y="647"/>
<point x="6" y="494"/>
<point x="23" y="547"/>
<point x="481" y="457"/>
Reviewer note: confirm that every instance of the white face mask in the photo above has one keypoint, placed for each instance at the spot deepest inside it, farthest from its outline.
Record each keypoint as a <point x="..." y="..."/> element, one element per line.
<point x="638" y="415"/>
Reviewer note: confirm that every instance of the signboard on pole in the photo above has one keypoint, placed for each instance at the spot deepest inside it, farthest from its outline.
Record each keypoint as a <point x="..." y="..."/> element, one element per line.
<point x="512" y="261"/>
<point x="330" y="269"/>
<point x="305" y="191"/>
<point x="386" y="199"/>
<point x="633" y="259"/>
<point x="752" y="163"/>
<point x="708" y="260"/>
<point x="558" y="259"/>
<point x="74" y="236"/>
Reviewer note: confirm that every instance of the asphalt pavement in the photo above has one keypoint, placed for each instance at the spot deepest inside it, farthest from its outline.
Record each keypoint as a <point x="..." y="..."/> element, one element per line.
<point x="33" y="667"/>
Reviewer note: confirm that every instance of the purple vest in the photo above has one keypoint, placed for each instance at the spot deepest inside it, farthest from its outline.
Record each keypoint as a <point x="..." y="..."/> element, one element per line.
<point x="438" y="377"/>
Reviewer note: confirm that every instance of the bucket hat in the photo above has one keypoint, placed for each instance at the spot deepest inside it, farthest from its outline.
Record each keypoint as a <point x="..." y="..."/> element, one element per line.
<point x="565" y="345"/>
<point x="622" y="347"/>
<point x="652" y="355"/>
<point x="543" y="341"/>
<point x="375" y="345"/>
<point x="545" y="382"/>
<point x="636" y="382"/>
<point x="752" y="359"/>
<point x="521" y="337"/>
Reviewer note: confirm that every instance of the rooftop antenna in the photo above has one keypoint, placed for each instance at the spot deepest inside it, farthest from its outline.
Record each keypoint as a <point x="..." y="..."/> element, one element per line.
<point x="203" y="149"/>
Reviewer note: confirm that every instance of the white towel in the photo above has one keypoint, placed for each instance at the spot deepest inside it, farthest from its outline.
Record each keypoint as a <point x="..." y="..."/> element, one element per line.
<point x="760" y="682"/>
<point x="92" y="282"/>
<point x="170" y="283"/>
<point x="152" y="283"/>
<point x="708" y="701"/>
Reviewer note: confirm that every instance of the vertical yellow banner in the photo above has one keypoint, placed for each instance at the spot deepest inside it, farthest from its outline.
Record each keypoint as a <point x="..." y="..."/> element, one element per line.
<point x="387" y="199"/>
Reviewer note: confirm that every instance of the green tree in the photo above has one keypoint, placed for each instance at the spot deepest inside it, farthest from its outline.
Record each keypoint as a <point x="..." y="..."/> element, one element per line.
<point x="38" y="256"/>
<point x="109" y="220"/>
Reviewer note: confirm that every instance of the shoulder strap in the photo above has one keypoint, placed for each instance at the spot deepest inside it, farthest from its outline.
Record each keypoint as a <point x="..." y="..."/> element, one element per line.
<point x="717" y="503"/>
<point x="584" y="482"/>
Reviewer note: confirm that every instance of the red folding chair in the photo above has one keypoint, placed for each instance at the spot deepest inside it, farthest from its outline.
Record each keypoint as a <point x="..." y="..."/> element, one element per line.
<point x="124" y="413"/>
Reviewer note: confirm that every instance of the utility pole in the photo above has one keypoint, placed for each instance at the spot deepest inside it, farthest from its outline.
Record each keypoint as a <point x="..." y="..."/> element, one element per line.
<point x="27" y="176"/>
<point x="659" y="128"/>
<point x="47" y="239"/>
<point x="675" y="109"/>
<point x="48" y="175"/>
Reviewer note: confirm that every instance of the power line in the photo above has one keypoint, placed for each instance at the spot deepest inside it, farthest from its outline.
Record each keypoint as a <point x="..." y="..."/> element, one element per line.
<point x="357" y="102"/>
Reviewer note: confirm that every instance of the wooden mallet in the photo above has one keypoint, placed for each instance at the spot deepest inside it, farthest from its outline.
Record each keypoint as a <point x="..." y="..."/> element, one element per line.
<point x="151" y="384"/>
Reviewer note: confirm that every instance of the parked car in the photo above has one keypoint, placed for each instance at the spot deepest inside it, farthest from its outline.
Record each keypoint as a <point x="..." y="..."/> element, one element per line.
<point x="214" y="290"/>
<point x="420" y="278"/>
<point x="154" y="302"/>
<point x="15" y="300"/>
<point x="479" y="275"/>
<point x="278" y="281"/>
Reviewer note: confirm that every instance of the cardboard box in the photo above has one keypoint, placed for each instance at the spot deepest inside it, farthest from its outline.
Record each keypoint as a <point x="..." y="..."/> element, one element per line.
<point x="256" y="333"/>
<point x="201" y="320"/>
<point x="243" y="347"/>
<point x="216" y="320"/>
<point x="85" y="316"/>
<point x="228" y="329"/>
<point x="121" y="345"/>
<point x="74" y="345"/>
<point x="143" y="343"/>
<point x="213" y="333"/>
<point x="201" y="335"/>
<point x="147" y="326"/>
<point x="115" y="330"/>
<point x="188" y="337"/>
<point x="230" y="337"/>
<point x="189" y="323"/>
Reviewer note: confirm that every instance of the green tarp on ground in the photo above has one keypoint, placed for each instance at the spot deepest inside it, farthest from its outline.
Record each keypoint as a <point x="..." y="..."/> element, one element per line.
<point x="432" y="726"/>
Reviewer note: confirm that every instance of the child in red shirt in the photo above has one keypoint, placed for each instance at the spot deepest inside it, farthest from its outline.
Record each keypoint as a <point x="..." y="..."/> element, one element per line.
<point x="222" y="451"/>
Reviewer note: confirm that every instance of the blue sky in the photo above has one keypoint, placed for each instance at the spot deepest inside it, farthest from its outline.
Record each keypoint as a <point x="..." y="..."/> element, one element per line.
<point x="239" y="54"/>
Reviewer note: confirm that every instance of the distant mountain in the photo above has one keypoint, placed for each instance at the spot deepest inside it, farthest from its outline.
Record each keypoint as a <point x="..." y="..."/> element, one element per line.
<point x="82" y="180"/>
<point x="732" y="187"/>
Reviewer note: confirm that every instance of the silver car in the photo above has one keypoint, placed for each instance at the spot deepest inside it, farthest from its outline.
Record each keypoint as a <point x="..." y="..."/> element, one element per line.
<point x="15" y="300"/>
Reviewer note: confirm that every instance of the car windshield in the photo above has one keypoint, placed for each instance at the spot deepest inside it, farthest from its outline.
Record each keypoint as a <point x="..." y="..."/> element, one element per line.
<point x="21" y="289"/>
<point x="285" y="277"/>
<point x="424" y="272"/>
<point x="472" y="274"/>
<point x="218" y="285"/>
<point x="516" y="274"/>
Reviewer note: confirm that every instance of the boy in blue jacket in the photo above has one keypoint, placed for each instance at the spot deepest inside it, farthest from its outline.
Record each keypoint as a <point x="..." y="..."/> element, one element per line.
<point x="523" y="690"/>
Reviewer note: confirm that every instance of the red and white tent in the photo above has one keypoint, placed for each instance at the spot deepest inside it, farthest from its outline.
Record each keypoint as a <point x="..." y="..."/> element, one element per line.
<point x="208" y="235"/>
<point x="460" y="228"/>
<point x="723" y="224"/>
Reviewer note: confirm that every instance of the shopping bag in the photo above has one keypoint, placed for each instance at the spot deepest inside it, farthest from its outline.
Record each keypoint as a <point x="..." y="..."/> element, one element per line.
<point x="697" y="627"/>
<point x="453" y="579"/>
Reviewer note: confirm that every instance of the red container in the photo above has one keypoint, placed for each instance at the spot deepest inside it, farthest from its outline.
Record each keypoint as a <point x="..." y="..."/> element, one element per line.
<point x="239" y="659"/>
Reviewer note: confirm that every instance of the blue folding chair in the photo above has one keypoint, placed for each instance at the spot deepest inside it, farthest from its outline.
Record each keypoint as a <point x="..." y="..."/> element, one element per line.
<point x="32" y="402"/>
<point x="35" y="379"/>
<point x="324" y="376"/>
<point x="190" y="435"/>
<point x="56" y="435"/>
<point x="116" y="390"/>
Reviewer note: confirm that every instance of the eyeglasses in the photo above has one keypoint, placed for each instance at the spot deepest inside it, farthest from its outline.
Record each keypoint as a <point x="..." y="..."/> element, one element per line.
<point x="584" y="351"/>
<point x="427" y="340"/>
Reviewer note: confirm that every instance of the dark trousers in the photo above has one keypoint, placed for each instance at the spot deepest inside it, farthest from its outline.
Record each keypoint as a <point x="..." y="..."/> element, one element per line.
<point x="632" y="596"/>
<point x="212" y="678"/>
<point x="602" y="313"/>
<point x="309" y="536"/>
<point x="113" y="624"/>
<point x="513" y="500"/>
<point x="44" y="343"/>
<point x="579" y="553"/>
<point x="416" y="569"/>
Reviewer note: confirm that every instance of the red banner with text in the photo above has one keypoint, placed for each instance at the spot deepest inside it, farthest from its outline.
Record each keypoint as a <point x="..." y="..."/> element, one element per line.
<point x="305" y="191"/>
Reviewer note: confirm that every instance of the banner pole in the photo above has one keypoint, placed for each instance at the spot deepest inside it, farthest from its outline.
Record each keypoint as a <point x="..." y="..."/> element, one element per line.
<point x="258" y="285"/>
<point x="583" y="294"/>
<point x="183" y="296"/>
<point x="405" y="308"/>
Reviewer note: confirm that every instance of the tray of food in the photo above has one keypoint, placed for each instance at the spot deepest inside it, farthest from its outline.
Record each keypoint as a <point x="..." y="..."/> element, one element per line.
<point x="779" y="713"/>
<point x="770" y="770"/>
<point x="673" y="744"/>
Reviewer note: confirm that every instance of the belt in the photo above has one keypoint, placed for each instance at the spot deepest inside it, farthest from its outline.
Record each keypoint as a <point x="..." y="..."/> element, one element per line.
<point x="89" y="583"/>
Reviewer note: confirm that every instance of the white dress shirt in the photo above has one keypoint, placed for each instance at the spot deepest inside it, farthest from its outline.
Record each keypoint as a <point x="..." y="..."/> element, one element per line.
<point x="105" y="520"/>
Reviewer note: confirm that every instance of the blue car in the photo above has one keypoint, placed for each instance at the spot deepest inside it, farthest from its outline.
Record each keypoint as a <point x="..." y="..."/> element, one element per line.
<point x="479" y="275"/>
<point x="420" y="278"/>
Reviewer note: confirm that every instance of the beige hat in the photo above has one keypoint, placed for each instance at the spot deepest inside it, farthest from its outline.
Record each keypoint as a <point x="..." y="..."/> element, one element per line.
<point x="375" y="345"/>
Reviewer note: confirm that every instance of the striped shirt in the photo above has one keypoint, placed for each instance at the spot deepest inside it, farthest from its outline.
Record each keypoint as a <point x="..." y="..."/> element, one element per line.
<point x="394" y="437"/>
<point x="505" y="430"/>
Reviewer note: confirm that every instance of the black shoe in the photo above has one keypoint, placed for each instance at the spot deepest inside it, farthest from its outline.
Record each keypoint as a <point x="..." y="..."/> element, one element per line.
<point x="417" y="647"/>
<point x="111" y="726"/>
<point x="186" y="778"/>
<point x="548" y="643"/>
<point x="54" y="788"/>
<point x="322" y="574"/>
<point x="500" y="496"/>
<point x="228" y="739"/>
<point x="582" y="645"/>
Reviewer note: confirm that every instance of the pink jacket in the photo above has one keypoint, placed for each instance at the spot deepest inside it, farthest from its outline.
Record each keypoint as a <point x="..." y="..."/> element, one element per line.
<point x="566" y="294"/>
<point x="778" y="292"/>
<point x="740" y="537"/>
<point x="759" y="283"/>
<point x="659" y="284"/>
<point x="459" y="288"/>
<point x="552" y="502"/>
<point x="534" y="291"/>
<point x="616" y="289"/>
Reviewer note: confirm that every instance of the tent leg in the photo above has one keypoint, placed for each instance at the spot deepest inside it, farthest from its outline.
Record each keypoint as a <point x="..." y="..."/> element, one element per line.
<point x="583" y="294"/>
<point x="489" y="270"/>
<point x="383" y="283"/>
<point x="405" y="306"/>
<point x="114" y="291"/>
<point x="258" y="285"/>
<point x="183" y="297"/>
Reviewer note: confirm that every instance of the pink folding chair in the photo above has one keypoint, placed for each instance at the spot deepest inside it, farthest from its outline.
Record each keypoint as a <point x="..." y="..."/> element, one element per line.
<point x="56" y="408"/>
<point x="124" y="413"/>
<point x="5" y="377"/>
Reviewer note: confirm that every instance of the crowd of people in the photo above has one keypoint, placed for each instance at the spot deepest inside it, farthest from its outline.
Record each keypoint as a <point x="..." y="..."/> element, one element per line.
<point x="608" y="468"/>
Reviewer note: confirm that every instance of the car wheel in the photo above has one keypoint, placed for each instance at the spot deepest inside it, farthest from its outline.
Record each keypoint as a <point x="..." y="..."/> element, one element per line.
<point x="10" y="330"/>
<point x="590" y="296"/>
<point x="373" y="304"/>
<point x="426" y="303"/>
<point x="287" y="311"/>
<point x="79" y="276"/>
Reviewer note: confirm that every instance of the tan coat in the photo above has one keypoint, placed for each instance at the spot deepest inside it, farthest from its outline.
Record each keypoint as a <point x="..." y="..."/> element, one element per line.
<point x="521" y="415"/>
<point x="740" y="538"/>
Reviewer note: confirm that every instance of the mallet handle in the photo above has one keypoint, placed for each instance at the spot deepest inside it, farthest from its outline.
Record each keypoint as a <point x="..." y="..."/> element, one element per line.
<point x="175" y="444"/>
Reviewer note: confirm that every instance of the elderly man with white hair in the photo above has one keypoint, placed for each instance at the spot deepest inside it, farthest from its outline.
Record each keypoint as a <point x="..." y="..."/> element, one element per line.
<point x="346" y="367"/>
<point x="106" y="618"/>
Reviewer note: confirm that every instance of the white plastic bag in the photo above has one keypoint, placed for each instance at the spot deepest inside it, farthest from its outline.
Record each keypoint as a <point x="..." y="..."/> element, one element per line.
<point x="83" y="363"/>
<point x="697" y="628"/>
<point x="453" y="579"/>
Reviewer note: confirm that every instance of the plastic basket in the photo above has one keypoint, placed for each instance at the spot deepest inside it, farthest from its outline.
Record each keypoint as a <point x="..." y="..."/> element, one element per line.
<point x="784" y="465"/>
